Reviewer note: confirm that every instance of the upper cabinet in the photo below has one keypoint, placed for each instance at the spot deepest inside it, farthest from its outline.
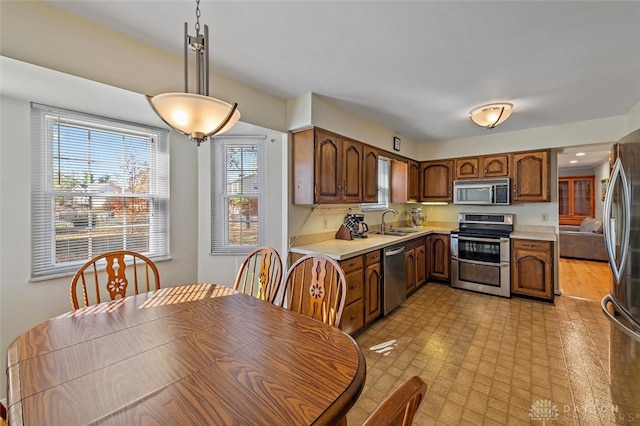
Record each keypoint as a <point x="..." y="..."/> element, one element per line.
<point x="482" y="167"/>
<point x="370" y="180"/>
<point x="530" y="176"/>
<point x="327" y="168"/>
<point x="414" y="180"/>
<point x="436" y="180"/>
<point x="399" y="191"/>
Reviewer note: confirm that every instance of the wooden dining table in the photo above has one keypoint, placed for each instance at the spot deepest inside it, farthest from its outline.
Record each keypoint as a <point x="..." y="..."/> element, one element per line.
<point x="196" y="354"/>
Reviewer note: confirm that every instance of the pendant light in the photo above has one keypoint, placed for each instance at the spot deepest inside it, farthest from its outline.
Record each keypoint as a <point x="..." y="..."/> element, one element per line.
<point x="491" y="115"/>
<point x="196" y="114"/>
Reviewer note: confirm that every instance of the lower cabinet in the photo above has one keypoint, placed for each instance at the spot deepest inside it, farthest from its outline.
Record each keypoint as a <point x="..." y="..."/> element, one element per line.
<point x="439" y="257"/>
<point x="353" y="314"/>
<point x="532" y="268"/>
<point x="372" y="286"/>
<point x="416" y="264"/>
<point x="364" y="291"/>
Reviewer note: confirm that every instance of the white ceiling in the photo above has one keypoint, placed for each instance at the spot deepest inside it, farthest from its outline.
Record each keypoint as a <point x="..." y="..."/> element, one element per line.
<point x="415" y="67"/>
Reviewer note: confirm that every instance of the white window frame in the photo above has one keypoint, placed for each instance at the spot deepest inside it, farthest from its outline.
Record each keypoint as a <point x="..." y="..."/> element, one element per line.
<point x="43" y="193"/>
<point x="220" y="244"/>
<point x="384" y="186"/>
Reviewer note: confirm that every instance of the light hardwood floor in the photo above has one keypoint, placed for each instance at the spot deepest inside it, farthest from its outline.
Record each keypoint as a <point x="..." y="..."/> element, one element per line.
<point x="585" y="279"/>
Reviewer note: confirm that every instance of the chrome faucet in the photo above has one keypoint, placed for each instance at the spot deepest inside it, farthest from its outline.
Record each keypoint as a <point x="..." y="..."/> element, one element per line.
<point x="394" y="211"/>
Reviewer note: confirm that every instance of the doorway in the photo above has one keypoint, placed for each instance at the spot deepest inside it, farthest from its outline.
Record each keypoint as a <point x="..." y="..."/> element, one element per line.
<point x="583" y="172"/>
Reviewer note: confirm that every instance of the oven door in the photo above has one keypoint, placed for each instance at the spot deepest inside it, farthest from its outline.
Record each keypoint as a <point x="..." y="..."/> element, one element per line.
<point x="481" y="264"/>
<point x="489" y="250"/>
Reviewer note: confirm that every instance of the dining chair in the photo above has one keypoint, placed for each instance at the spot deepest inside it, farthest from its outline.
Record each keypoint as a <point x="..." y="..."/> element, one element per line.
<point x="400" y="406"/>
<point x="260" y="274"/>
<point x="125" y="272"/>
<point x="315" y="286"/>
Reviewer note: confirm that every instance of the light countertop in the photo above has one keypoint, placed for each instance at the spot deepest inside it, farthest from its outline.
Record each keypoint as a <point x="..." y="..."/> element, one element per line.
<point x="345" y="249"/>
<point x="542" y="236"/>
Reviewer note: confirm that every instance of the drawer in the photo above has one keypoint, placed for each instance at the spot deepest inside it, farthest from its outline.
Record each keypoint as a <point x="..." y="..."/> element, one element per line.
<point x="532" y="244"/>
<point x="352" y="264"/>
<point x="412" y="244"/>
<point x="353" y="317"/>
<point x="373" y="257"/>
<point x="355" y="284"/>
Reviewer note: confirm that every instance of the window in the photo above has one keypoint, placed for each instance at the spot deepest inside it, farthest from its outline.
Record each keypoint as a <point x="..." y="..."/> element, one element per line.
<point x="384" y="186"/>
<point x="238" y="180"/>
<point x="98" y="185"/>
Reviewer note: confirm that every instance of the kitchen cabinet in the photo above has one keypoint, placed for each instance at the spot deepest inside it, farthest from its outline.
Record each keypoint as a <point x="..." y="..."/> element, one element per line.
<point x="575" y="199"/>
<point x="416" y="264"/>
<point x="530" y="176"/>
<point x="399" y="191"/>
<point x="353" y="314"/>
<point x="410" y="266"/>
<point x="436" y="180"/>
<point x="370" y="177"/>
<point x="372" y="286"/>
<point x="327" y="168"/>
<point x="439" y="257"/>
<point x="490" y="166"/>
<point x="532" y="268"/>
<point x="414" y="180"/>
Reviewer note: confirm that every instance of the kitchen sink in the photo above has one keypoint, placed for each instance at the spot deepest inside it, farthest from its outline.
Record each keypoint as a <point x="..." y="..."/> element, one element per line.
<point x="396" y="232"/>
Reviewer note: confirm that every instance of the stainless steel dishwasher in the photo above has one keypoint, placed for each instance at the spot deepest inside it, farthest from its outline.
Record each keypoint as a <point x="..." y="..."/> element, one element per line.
<point x="394" y="278"/>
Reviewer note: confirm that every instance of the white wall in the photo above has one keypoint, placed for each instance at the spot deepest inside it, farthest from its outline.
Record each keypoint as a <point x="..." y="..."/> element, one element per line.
<point x="25" y="303"/>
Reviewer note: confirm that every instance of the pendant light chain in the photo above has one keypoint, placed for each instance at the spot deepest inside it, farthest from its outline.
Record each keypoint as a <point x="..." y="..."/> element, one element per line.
<point x="197" y="18"/>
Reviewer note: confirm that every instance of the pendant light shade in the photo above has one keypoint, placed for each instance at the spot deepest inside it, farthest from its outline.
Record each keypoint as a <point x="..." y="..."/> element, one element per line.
<point x="196" y="115"/>
<point x="491" y="115"/>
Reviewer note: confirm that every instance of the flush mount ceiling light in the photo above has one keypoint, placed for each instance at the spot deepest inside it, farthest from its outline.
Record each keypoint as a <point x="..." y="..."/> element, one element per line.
<point x="196" y="114"/>
<point x="491" y="115"/>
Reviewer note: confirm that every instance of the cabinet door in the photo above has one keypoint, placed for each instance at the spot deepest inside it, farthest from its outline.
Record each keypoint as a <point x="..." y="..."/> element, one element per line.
<point x="414" y="180"/>
<point x="531" y="176"/>
<point x="352" y="171"/>
<point x="495" y="166"/>
<point x="370" y="181"/>
<point x="436" y="181"/>
<point x="373" y="286"/>
<point x="467" y="168"/>
<point x="410" y="262"/>
<point x="328" y="171"/>
<point x="531" y="268"/>
<point x="576" y="199"/>
<point x="421" y="265"/>
<point x="439" y="257"/>
<point x="399" y="182"/>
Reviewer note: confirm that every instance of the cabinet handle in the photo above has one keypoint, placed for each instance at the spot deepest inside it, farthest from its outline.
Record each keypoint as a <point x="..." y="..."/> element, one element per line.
<point x="352" y="287"/>
<point x="485" y="170"/>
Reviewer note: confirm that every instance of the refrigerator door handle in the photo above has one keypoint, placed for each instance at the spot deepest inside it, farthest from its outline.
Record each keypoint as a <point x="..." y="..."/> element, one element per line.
<point x="609" y="299"/>
<point x="617" y="174"/>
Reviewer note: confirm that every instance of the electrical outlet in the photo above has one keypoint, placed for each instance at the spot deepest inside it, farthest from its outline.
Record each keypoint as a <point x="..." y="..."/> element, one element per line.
<point x="325" y="224"/>
<point x="545" y="217"/>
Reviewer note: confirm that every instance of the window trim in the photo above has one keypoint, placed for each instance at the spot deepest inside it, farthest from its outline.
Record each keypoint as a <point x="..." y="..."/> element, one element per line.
<point x="219" y="220"/>
<point x="43" y="193"/>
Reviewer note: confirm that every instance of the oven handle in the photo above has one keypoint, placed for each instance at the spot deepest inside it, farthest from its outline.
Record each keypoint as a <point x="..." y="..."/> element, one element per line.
<point x="483" y="240"/>
<point x="479" y="262"/>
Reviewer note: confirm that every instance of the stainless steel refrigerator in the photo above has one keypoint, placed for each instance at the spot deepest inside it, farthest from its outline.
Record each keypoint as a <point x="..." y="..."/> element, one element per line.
<point x="621" y="219"/>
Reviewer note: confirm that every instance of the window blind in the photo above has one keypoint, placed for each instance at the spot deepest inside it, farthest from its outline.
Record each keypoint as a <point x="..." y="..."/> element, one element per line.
<point x="238" y="216"/>
<point x="97" y="185"/>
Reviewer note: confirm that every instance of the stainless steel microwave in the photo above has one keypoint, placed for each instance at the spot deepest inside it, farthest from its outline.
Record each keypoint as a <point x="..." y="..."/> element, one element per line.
<point x="481" y="191"/>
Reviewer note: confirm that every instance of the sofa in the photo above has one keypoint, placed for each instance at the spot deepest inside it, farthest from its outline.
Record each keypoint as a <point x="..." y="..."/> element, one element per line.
<point x="585" y="241"/>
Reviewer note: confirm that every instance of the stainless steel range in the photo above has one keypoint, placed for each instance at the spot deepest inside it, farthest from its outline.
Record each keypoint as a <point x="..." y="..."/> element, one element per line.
<point x="480" y="253"/>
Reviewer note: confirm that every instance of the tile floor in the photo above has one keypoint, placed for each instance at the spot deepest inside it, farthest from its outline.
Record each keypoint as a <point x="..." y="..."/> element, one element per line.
<point x="487" y="359"/>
